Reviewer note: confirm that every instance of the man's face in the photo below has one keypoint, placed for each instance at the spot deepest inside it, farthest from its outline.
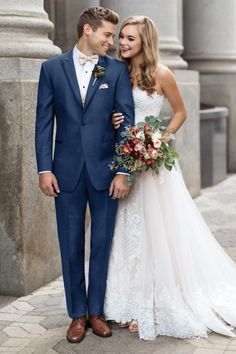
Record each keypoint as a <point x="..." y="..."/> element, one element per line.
<point x="101" y="39"/>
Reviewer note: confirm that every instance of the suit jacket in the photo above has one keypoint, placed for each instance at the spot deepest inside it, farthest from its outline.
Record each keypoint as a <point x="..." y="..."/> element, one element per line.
<point x="84" y="134"/>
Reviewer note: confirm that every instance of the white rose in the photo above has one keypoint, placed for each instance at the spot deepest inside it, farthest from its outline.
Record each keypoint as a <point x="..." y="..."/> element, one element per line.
<point x="140" y="135"/>
<point x="154" y="154"/>
<point x="156" y="136"/>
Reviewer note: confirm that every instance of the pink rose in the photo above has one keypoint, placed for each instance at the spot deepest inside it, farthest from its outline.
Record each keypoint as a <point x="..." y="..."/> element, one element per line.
<point x="150" y="162"/>
<point x="135" y="129"/>
<point x="138" y="147"/>
<point x="134" y="141"/>
<point x="157" y="144"/>
<point x="150" y="150"/>
<point x="147" y="128"/>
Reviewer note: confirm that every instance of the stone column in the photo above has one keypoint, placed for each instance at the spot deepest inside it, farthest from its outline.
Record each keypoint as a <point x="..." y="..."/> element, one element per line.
<point x="65" y="15"/>
<point x="180" y="21"/>
<point x="167" y="14"/>
<point x="29" y="255"/>
<point x="50" y="8"/>
<point x="210" y="47"/>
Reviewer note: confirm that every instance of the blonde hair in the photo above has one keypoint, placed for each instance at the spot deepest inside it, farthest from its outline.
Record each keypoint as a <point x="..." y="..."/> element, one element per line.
<point x="150" y="43"/>
<point x="94" y="16"/>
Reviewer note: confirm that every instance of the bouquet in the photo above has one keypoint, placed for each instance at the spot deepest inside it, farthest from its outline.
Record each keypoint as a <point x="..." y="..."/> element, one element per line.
<point x="144" y="147"/>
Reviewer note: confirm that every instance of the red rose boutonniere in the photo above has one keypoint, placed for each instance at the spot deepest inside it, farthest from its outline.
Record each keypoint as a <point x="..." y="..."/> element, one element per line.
<point x="98" y="72"/>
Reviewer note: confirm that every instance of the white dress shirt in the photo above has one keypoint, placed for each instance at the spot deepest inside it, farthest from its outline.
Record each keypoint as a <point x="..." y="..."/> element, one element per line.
<point x="83" y="73"/>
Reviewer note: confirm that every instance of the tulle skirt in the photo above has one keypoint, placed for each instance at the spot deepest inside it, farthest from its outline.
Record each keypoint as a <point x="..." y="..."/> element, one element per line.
<point x="166" y="268"/>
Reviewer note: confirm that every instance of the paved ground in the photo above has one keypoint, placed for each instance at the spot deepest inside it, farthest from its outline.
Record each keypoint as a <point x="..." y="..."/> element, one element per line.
<point x="37" y="323"/>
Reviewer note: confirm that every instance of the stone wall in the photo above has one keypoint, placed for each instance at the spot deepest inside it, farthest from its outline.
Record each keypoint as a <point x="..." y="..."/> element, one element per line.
<point x="29" y="255"/>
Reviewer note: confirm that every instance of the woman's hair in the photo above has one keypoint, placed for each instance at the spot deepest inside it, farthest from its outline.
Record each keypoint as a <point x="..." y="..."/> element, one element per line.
<point x="150" y="42"/>
<point x="94" y="16"/>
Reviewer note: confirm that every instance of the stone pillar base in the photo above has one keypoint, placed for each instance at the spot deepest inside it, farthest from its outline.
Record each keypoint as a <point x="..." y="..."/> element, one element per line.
<point x="29" y="254"/>
<point x="213" y="122"/>
<point x="220" y="90"/>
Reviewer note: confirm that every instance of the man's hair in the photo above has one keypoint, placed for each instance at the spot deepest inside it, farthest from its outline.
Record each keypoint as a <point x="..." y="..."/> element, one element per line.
<point x="94" y="17"/>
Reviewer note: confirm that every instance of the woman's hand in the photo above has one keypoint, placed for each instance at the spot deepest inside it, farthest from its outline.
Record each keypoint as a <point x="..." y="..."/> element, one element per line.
<point x="166" y="135"/>
<point x="117" y="119"/>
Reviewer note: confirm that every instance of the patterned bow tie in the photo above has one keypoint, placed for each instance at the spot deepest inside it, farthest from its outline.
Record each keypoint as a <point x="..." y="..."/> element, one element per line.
<point x="84" y="58"/>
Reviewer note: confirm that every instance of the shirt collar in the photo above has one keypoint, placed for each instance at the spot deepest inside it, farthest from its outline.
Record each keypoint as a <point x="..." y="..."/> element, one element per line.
<point x="76" y="53"/>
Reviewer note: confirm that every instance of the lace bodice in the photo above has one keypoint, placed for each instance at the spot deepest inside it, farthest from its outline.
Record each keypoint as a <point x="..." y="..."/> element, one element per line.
<point x="146" y="105"/>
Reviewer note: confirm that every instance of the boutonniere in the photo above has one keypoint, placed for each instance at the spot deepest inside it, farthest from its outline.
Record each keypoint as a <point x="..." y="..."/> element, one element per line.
<point x="98" y="72"/>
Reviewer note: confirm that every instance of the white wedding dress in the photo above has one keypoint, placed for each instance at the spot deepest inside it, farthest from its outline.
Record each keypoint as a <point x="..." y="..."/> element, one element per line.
<point x="166" y="269"/>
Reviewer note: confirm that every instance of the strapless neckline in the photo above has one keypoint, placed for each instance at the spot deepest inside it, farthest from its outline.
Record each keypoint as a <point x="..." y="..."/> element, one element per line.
<point x="155" y="93"/>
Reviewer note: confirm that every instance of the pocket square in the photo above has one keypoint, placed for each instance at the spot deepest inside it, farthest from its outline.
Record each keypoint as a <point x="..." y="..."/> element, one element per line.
<point x="103" y="86"/>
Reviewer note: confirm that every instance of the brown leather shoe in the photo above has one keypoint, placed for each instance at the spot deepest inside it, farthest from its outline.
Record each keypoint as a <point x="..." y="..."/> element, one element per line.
<point x="100" y="326"/>
<point x="77" y="330"/>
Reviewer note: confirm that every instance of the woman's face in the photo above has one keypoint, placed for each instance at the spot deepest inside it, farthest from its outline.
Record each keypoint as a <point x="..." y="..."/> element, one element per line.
<point x="130" y="42"/>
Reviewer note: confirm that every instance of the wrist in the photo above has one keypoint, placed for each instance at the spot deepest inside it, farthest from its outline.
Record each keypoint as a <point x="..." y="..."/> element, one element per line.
<point x="168" y="131"/>
<point x="122" y="176"/>
<point x="167" y="134"/>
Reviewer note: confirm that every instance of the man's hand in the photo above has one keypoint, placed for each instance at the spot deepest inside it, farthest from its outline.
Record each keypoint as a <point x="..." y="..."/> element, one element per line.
<point x="119" y="187"/>
<point x="48" y="184"/>
<point x="117" y="119"/>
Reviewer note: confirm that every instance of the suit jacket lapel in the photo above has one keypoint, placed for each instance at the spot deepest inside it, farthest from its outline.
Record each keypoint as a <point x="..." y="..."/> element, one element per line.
<point x="92" y="88"/>
<point x="69" y="68"/>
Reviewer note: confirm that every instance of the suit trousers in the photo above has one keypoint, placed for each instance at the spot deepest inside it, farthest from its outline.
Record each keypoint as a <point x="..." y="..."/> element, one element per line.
<point x="70" y="212"/>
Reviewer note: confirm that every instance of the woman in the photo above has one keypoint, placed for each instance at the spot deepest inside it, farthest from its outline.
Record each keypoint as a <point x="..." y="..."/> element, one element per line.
<point x="167" y="273"/>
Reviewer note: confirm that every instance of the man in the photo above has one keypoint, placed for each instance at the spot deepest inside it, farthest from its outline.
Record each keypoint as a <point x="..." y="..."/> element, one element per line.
<point x="82" y="88"/>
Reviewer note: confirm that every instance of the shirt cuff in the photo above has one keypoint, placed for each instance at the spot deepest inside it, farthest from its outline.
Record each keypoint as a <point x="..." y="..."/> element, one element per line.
<point x="44" y="172"/>
<point x="123" y="173"/>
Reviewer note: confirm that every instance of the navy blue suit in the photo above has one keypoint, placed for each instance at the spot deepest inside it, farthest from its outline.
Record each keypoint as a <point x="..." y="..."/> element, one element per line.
<point x="84" y="146"/>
